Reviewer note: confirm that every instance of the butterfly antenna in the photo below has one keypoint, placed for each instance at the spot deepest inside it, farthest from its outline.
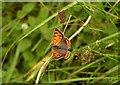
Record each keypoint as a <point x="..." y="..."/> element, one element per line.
<point x="67" y="24"/>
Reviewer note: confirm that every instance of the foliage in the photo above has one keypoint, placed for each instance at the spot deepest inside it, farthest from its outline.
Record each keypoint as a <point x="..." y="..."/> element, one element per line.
<point x="27" y="30"/>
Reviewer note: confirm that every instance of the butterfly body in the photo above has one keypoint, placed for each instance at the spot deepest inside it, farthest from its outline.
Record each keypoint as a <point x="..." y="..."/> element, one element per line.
<point x="60" y="45"/>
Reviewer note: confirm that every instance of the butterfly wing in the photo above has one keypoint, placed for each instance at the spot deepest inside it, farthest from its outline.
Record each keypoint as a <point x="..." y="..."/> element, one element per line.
<point x="67" y="42"/>
<point x="58" y="36"/>
<point x="57" y="55"/>
<point x="67" y="55"/>
<point x="60" y="45"/>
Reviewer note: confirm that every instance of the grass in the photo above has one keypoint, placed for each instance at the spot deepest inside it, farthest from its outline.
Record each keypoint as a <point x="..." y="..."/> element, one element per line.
<point x="27" y="31"/>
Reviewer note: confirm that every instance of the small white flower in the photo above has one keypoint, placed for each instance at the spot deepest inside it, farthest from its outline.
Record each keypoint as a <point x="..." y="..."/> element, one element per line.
<point x="24" y="26"/>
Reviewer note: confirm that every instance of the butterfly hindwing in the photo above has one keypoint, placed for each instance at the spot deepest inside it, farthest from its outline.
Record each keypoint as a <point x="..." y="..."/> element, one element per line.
<point x="57" y="55"/>
<point x="67" y="55"/>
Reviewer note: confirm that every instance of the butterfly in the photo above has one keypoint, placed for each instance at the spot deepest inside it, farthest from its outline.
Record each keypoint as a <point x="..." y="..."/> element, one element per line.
<point x="60" y="45"/>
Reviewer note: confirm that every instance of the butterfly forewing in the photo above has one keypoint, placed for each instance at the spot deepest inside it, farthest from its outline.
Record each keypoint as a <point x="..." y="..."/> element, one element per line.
<point x="68" y="43"/>
<point x="58" y="36"/>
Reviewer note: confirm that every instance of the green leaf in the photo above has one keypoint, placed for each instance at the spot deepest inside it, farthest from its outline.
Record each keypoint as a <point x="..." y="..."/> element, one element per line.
<point x="25" y="10"/>
<point x="43" y="13"/>
<point x="6" y="20"/>
<point x="32" y="21"/>
<point x="24" y="44"/>
<point x="40" y="51"/>
<point x="28" y="57"/>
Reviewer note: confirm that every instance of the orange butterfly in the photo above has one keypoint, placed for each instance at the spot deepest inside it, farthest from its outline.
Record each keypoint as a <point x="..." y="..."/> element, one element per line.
<point x="60" y="45"/>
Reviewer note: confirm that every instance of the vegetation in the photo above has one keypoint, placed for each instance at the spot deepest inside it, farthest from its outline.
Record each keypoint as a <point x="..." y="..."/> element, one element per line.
<point x="27" y="31"/>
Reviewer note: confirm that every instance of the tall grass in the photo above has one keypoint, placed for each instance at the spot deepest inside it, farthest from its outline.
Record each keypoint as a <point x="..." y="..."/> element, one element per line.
<point x="27" y="31"/>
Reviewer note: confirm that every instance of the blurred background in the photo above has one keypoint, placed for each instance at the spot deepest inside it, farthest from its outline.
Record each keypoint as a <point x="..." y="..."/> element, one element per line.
<point x="27" y="31"/>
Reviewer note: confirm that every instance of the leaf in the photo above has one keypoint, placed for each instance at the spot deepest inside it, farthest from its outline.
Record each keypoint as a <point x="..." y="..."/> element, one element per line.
<point x="6" y="20"/>
<point x="46" y="32"/>
<point x="40" y="51"/>
<point x="43" y="13"/>
<point x="32" y="21"/>
<point x="29" y="58"/>
<point x="24" y="44"/>
<point x="25" y="10"/>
